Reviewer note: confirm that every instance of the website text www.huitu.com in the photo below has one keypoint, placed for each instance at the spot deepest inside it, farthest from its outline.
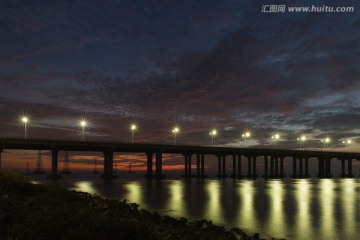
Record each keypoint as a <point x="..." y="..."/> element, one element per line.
<point x="307" y="9"/>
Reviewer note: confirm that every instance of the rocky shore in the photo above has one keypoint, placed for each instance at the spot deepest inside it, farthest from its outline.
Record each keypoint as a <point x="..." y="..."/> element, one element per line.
<point x="30" y="211"/>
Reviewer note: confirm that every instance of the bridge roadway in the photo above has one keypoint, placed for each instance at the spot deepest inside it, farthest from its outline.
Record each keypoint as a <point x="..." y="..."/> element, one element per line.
<point x="273" y="158"/>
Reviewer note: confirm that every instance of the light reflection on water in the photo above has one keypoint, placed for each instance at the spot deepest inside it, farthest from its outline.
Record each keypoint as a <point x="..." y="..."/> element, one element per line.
<point x="85" y="186"/>
<point x="176" y="201"/>
<point x="303" y="217"/>
<point x="292" y="209"/>
<point x="275" y="223"/>
<point x="247" y="212"/>
<point x="348" y="204"/>
<point x="214" y="205"/>
<point x="326" y="203"/>
<point x="135" y="192"/>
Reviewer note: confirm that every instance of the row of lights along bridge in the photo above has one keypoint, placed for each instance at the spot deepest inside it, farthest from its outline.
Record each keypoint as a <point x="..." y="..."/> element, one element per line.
<point x="176" y="130"/>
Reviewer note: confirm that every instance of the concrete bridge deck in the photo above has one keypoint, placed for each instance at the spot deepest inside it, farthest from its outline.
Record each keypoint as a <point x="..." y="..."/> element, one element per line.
<point x="273" y="158"/>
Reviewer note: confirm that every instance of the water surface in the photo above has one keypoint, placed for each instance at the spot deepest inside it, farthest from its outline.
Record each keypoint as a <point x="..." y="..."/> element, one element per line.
<point x="293" y="209"/>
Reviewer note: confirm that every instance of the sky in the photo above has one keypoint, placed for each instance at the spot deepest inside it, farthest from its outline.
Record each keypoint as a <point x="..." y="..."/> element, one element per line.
<point x="195" y="64"/>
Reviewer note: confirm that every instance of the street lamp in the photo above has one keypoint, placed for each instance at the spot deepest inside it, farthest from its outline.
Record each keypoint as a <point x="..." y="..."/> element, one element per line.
<point x="325" y="141"/>
<point x="132" y="128"/>
<point x="175" y="131"/>
<point x="25" y="121"/>
<point x="346" y="142"/>
<point x="302" y="140"/>
<point x="275" y="138"/>
<point x="83" y="124"/>
<point x="213" y="134"/>
<point x="246" y="135"/>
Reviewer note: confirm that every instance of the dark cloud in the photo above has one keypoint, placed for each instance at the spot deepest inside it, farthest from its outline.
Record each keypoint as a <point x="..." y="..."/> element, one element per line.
<point x="197" y="64"/>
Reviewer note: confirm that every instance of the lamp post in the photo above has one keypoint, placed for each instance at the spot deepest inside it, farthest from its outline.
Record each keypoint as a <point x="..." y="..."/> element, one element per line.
<point x="132" y="128"/>
<point x="175" y="131"/>
<point x="302" y="140"/>
<point x="213" y="134"/>
<point x="346" y="142"/>
<point x="246" y="135"/>
<point x="325" y="142"/>
<point x="83" y="124"/>
<point x="25" y="121"/>
<point x="275" y="138"/>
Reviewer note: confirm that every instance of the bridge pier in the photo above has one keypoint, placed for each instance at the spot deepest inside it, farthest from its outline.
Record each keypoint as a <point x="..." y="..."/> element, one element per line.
<point x="324" y="168"/>
<point x="54" y="165"/>
<point x="187" y="173"/>
<point x="252" y="167"/>
<point x="236" y="166"/>
<point x="158" y="165"/>
<point x="200" y="169"/>
<point x="221" y="167"/>
<point x="202" y="161"/>
<point x="349" y="172"/>
<point x="303" y="171"/>
<point x="266" y="168"/>
<point x="108" y="165"/>
<point x="198" y="159"/>
<point x="276" y="167"/>
<point x="1" y="150"/>
<point x="149" y="165"/>
<point x="239" y="167"/>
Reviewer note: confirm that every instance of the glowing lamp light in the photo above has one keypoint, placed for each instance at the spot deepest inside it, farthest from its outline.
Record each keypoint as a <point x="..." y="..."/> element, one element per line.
<point x="25" y="120"/>
<point x="133" y="127"/>
<point x="83" y="124"/>
<point x="175" y="131"/>
<point x="213" y="132"/>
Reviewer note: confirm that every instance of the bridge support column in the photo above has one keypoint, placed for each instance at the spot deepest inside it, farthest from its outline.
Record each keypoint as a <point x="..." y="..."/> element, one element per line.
<point x="149" y="165"/>
<point x="342" y="168"/>
<point x="328" y="168"/>
<point x="219" y="166"/>
<point x="349" y="169"/>
<point x="234" y="166"/>
<point x="301" y="168"/>
<point x="272" y="166"/>
<point x="249" y="166"/>
<point x="307" y="167"/>
<point x="108" y="165"/>
<point x="189" y="165"/>
<point x="276" y="167"/>
<point x="239" y="167"/>
<point x="198" y="159"/>
<point x="158" y="170"/>
<point x="294" y="168"/>
<point x="54" y="165"/>
<point x="186" y="165"/>
<point x="0" y="157"/>
<point x="350" y="174"/>
<point x="202" y="166"/>
<point x="266" y="170"/>
<point x="324" y="168"/>
<point x="282" y="167"/>
<point x="321" y="168"/>
<point x="223" y="175"/>
<point x="254" y="175"/>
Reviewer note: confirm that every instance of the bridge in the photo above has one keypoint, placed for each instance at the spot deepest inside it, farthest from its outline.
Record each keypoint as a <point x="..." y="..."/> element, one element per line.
<point x="273" y="158"/>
